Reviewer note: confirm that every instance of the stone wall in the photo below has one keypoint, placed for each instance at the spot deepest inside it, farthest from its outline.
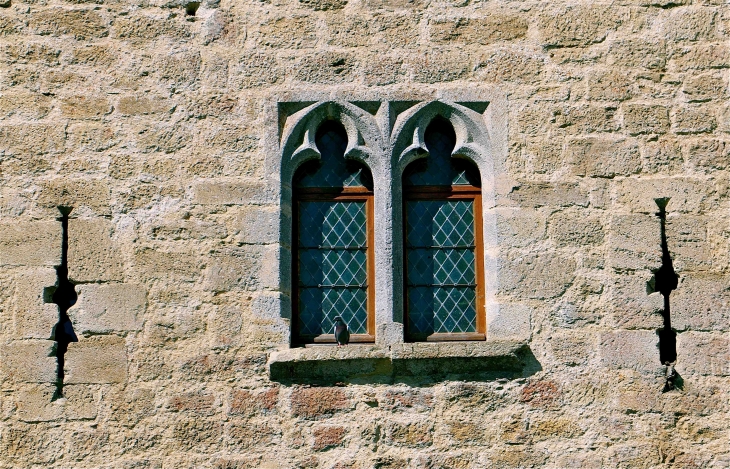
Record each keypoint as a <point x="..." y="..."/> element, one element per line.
<point x="148" y="119"/>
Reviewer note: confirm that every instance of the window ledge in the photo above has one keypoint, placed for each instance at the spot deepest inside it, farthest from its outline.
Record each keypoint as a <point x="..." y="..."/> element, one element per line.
<point x="373" y="363"/>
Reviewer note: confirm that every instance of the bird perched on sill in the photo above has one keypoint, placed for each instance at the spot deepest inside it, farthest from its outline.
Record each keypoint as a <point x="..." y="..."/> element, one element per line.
<point x="342" y="334"/>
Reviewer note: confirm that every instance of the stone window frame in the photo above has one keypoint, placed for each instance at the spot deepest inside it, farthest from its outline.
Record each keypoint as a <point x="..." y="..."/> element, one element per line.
<point x="385" y="130"/>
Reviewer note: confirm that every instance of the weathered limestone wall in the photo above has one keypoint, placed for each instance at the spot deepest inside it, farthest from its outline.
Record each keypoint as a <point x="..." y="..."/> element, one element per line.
<point x="149" y="122"/>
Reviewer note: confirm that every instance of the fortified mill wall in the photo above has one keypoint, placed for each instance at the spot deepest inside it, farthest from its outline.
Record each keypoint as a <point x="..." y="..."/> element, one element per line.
<point x="149" y="152"/>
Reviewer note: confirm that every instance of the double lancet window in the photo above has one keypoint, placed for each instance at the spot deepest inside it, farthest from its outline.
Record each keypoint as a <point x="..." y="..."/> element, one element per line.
<point x="386" y="224"/>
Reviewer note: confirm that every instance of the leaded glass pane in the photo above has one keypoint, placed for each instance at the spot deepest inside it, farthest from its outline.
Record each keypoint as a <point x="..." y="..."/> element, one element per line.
<point x="332" y="224"/>
<point x="318" y="308"/>
<point x="332" y="170"/>
<point x="439" y="223"/>
<point x="332" y="262"/>
<point x="441" y="310"/>
<point x="441" y="266"/>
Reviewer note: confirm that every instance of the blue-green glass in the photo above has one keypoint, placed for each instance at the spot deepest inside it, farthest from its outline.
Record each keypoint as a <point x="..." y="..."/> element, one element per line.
<point x="441" y="309"/>
<point x="332" y="263"/>
<point x="440" y="223"/>
<point x="332" y="224"/>
<point x="332" y="170"/>
<point x="441" y="266"/>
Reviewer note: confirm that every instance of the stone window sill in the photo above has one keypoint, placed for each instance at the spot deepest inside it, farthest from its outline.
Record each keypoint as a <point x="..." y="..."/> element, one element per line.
<point x="375" y="363"/>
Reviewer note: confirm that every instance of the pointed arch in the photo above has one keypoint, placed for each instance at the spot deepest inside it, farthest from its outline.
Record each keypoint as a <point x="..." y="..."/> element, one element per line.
<point x="298" y="143"/>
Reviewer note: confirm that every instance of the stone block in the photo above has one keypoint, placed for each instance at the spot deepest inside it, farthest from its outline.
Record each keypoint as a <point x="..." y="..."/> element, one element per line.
<point x="96" y="360"/>
<point x="687" y="195"/>
<point x="164" y="138"/>
<point x="255" y="225"/>
<point x="586" y="119"/>
<point x="180" y="68"/>
<point x="545" y="156"/>
<point x="80" y="24"/>
<point x="199" y="403"/>
<point x="91" y="136"/>
<point x="636" y="350"/>
<point x="609" y="85"/>
<point x="399" y="30"/>
<point x="155" y="264"/>
<point x="328" y="436"/>
<point x="32" y="53"/>
<point x="26" y="105"/>
<point x="690" y="23"/>
<point x="314" y="403"/>
<point x="603" y="157"/>
<point x="33" y="443"/>
<point x="693" y="120"/>
<point x="348" y="30"/>
<point x="246" y="434"/>
<point x="108" y="308"/>
<point x="700" y="57"/>
<point x="81" y="194"/>
<point x="200" y="435"/>
<point x="579" y="26"/>
<point x="240" y="269"/>
<point x="646" y="119"/>
<point x="409" y="434"/>
<point x="294" y="32"/>
<point x="140" y="28"/>
<point x="327" y="68"/>
<point x="562" y="194"/>
<point x="437" y="67"/>
<point x="632" y="302"/>
<point x="510" y="322"/>
<point x="233" y="193"/>
<point x="688" y="243"/>
<point x="29" y="361"/>
<point x="395" y="4"/>
<point x="249" y="403"/>
<point x="324" y="5"/>
<point x="92" y="254"/>
<point x="520" y="227"/>
<point x="37" y="404"/>
<point x="701" y="302"/>
<point x="94" y="55"/>
<point x="32" y="139"/>
<point x="256" y="69"/>
<point x="509" y="66"/>
<point x="634" y="242"/>
<point x="703" y="353"/>
<point x="707" y="87"/>
<point x="575" y="228"/>
<point x="383" y="71"/>
<point x="708" y="155"/>
<point x="649" y="54"/>
<point x="35" y="243"/>
<point x="490" y="29"/>
<point x="573" y="348"/>
<point x="663" y="156"/>
<point x="536" y="276"/>
<point x="142" y="105"/>
<point x="85" y="107"/>
<point x="33" y="313"/>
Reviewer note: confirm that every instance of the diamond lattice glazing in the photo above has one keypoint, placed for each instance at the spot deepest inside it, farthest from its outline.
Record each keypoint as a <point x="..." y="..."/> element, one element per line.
<point x="332" y="264"/>
<point x="441" y="266"/>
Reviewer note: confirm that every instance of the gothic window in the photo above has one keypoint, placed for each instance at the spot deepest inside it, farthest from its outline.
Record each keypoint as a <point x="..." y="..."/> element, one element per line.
<point x="444" y="282"/>
<point x="333" y="250"/>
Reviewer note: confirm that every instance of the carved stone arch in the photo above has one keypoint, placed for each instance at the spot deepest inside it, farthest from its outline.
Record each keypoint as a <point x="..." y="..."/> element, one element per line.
<point x="472" y="136"/>
<point x="298" y="135"/>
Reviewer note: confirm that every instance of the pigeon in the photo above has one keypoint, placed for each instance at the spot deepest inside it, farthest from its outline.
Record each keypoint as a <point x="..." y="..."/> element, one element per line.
<point x="342" y="335"/>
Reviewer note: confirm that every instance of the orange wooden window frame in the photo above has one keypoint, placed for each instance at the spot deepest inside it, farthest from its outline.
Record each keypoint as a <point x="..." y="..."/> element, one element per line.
<point x="346" y="194"/>
<point x="465" y="192"/>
